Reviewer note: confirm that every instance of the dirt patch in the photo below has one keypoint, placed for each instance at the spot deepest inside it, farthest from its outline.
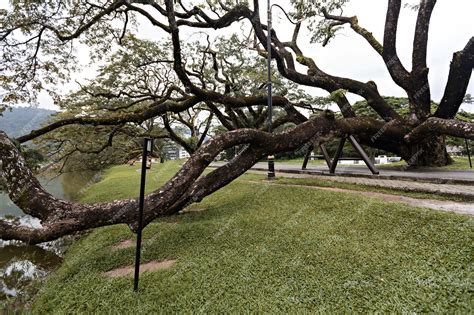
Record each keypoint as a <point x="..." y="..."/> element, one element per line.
<point x="123" y="244"/>
<point x="148" y="267"/>
<point x="187" y="210"/>
<point x="171" y="222"/>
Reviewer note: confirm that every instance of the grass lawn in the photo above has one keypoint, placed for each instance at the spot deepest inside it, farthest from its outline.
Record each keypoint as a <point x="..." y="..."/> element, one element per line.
<point x="312" y="163"/>
<point x="268" y="248"/>
<point x="459" y="163"/>
<point x="317" y="182"/>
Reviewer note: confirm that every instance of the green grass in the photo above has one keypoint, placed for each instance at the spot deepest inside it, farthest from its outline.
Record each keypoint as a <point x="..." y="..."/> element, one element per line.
<point x="300" y="162"/>
<point x="317" y="182"/>
<point x="459" y="163"/>
<point x="267" y="248"/>
<point x="123" y="181"/>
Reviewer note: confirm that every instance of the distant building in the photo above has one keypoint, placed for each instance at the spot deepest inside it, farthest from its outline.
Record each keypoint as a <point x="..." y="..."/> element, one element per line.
<point x="454" y="150"/>
<point x="381" y="159"/>
<point x="175" y="152"/>
<point x="183" y="154"/>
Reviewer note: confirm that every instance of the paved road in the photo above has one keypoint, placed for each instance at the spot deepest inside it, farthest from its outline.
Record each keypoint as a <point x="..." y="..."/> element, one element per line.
<point x="438" y="176"/>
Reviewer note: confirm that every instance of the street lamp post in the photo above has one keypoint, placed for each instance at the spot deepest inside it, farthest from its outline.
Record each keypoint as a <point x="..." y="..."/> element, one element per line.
<point x="271" y="158"/>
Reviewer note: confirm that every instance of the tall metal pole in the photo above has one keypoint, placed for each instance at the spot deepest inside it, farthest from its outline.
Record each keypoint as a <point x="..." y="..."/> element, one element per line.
<point x="141" y="203"/>
<point x="271" y="158"/>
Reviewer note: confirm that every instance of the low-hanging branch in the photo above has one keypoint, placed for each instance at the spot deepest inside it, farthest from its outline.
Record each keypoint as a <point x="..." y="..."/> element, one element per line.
<point x="59" y="217"/>
<point x="138" y="116"/>
<point x="438" y="126"/>
<point x="156" y="109"/>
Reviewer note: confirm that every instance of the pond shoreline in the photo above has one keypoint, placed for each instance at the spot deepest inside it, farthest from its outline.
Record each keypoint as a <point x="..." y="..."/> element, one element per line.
<point x="23" y="267"/>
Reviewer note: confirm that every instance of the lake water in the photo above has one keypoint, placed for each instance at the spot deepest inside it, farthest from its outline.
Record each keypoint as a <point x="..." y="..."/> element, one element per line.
<point x="22" y="265"/>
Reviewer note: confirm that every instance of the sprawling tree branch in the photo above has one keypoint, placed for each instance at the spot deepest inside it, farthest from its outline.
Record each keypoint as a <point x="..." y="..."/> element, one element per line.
<point x="354" y="23"/>
<point x="458" y="80"/>
<point x="419" y="94"/>
<point x="318" y="78"/>
<point x="59" y="217"/>
<point x="397" y="71"/>
<point x="437" y="126"/>
<point x="138" y="116"/>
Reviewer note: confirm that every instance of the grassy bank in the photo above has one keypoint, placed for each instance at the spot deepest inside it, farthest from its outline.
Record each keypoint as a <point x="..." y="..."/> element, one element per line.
<point x="459" y="163"/>
<point x="319" y="182"/>
<point x="253" y="247"/>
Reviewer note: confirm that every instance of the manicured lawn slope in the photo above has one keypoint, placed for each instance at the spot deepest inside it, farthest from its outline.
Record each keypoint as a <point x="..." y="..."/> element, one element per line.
<point x="459" y="163"/>
<point x="256" y="247"/>
<point x="318" y="182"/>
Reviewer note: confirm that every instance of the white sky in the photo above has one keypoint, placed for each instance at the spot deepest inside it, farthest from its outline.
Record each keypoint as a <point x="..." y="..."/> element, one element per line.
<point x="350" y="55"/>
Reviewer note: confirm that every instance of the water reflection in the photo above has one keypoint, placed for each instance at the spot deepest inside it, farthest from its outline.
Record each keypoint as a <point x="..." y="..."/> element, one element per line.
<point x="67" y="186"/>
<point x="22" y="265"/>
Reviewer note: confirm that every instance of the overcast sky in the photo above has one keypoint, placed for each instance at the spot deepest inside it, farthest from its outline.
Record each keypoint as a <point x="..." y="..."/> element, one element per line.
<point x="349" y="54"/>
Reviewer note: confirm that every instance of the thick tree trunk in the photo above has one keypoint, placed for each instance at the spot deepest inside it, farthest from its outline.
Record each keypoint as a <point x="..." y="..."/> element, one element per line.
<point x="427" y="143"/>
<point x="430" y="152"/>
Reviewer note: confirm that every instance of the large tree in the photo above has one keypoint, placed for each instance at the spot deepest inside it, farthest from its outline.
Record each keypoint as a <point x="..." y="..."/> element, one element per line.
<point x="221" y="75"/>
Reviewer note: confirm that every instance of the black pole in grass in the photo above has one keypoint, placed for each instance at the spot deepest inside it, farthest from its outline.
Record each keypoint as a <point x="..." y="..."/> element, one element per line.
<point x="147" y="148"/>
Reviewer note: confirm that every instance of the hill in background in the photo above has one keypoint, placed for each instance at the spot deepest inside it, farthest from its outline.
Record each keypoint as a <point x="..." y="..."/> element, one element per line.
<point x="21" y="120"/>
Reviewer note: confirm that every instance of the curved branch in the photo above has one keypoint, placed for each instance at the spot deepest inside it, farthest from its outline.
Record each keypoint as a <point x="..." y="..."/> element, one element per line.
<point x="438" y="126"/>
<point x="318" y="78"/>
<point x="156" y="109"/>
<point x="354" y="23"/>
<point x="397" y="71"/>
<point x="420" y="95"/>
<point x="458" y="80"/>
<point x="60" y="217"/>
<point x="175" y="137"/>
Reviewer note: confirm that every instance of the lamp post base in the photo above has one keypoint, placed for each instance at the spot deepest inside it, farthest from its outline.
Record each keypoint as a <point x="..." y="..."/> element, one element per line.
<point x="271" y="167"/>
